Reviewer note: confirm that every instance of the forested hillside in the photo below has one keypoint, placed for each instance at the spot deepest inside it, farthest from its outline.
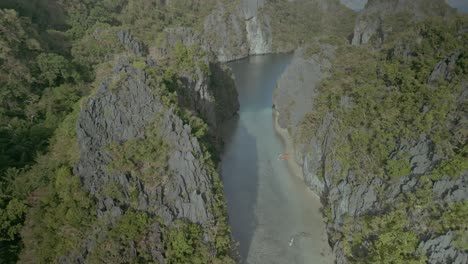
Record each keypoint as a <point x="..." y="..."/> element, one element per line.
<point x="396" y="117"/>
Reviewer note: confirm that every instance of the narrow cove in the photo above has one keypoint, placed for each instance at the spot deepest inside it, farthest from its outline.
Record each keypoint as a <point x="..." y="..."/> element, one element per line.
<point x="275" y="218"/>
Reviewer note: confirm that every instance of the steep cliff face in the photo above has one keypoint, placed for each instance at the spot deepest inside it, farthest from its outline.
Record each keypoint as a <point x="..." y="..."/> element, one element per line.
<point x="296" y="87"/>
<point x="138" y="154"/>
<point x="258" y="27"/>
<point x="236" y="30"/>
<point x="225" y="33"/>
<point x="414" y="191"/>
<point x="130" y="111"/>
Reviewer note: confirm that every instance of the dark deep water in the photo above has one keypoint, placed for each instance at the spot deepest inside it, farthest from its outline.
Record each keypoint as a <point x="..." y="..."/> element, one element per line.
<point x="268" y="206"/>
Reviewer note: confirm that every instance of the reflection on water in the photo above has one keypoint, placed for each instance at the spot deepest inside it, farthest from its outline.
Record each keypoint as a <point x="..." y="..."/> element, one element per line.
<point x="274" y="217"/>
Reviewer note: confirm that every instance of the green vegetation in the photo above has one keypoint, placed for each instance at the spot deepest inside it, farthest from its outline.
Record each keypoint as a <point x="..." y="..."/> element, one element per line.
<point x="392" y="103"/>
<point x="388" y="96"/>
<point x="56" y="197"/>
<point x="294" y="24"/>
<point x="116" y="242"/>
<point x="144" y="158"/>
<point x="52" y="53"/>
<point x="183" y="244"/>
<point x="391" y="237"/>
<point x="40" y="84"/>
<point x="398" y="168"/>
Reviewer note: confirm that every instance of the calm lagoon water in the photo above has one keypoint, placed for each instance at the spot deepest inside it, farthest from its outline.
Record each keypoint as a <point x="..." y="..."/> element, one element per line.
<point x="274" y="216"/>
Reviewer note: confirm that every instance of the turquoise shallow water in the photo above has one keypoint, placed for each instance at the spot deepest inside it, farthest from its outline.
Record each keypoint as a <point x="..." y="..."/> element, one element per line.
<point x="274" y="216"/>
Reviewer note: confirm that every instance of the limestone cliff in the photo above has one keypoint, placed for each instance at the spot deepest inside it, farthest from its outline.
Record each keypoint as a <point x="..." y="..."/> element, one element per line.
<point x="296" y="87"/>
<point x="116" y="115"/>
<point x="353" y="198"/>
<point x="145" y="165"/>
<point x="236" y="30"/>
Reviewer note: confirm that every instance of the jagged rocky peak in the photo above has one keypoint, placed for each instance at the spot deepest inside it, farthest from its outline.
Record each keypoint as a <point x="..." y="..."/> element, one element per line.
<point x="136" y="153"/>
<point x="380" y="17"/>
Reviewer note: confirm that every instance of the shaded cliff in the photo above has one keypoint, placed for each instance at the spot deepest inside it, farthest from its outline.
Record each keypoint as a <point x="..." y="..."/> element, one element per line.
<point x="236" y="29"/>
<point x="296" y="87"/>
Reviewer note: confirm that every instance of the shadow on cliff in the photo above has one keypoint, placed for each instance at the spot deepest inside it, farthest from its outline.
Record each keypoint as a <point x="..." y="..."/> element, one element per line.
<point x="239" y="172"/>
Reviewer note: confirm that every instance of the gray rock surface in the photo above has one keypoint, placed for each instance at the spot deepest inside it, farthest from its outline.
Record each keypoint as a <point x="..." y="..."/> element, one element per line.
<point x="213" y="97"/>
<point x="353" y="199"/>
<point x="351" y="196"/>
<point x="122" y="110"/>
<point x="131" y="43"/>
<point x="460" y="5"/>
<point x="258" y="28"/>
<point x="225" y="34"/>
<point x="292" y="98"/>
<point x="315" y="159"/>
<point x="234" y="32"/>
<point x="441" y="250"/>
<point x="444" y="69"/>
<point x="297" y="86"/>
<point x="452" y="190"/>
<point x="185" y="35"/>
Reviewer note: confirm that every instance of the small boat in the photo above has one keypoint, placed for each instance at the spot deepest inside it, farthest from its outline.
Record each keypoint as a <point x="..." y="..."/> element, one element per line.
<point x="291" y="242"/>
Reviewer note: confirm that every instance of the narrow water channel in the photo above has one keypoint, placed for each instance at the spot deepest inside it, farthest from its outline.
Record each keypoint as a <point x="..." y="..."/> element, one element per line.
<point x="275" y="218"/>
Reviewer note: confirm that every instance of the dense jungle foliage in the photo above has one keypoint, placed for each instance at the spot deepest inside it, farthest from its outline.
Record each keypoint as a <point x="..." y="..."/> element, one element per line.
<point x="382" y="100"/>
<point x="53" y="54"/>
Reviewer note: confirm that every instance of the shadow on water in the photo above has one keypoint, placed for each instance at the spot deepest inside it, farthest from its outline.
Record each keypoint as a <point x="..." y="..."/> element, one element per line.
<point x="240" y="178"/>
<point x="255" y="81"/>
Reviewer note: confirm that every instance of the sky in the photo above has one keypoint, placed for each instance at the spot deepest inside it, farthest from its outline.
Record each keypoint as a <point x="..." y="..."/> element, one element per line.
<point x="461" y="5"/>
